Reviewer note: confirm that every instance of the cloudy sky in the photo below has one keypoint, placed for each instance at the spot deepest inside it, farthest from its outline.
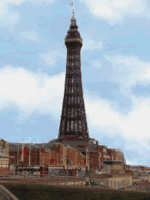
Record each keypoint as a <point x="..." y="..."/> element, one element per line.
<point x="115" y="65"/>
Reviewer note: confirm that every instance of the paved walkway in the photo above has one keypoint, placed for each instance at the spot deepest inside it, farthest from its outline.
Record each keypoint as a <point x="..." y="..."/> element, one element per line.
<point x="142" y="185"/>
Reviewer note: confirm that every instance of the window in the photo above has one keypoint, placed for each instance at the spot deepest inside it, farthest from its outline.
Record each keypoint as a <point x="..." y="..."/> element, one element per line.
<point x="104" y="168"/>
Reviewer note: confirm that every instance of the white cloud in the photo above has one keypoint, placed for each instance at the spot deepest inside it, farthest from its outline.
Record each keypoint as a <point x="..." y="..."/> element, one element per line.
<point x="39" y="2"/>
<point x="114" y="10"/>
<point x="30" y="35"/>
<point x="51" y="57"/>
<point x="9" y="16"/>
<point x="134" y="127"/>
<point x="32" y="92"/>
<point x="19" y="2"/>
<point x="132" y="162"/>
<point x="129" y="70"/>
<point x="14" y="2"/>
<point x="96" y="64"/>
<point x="90" y="44"/>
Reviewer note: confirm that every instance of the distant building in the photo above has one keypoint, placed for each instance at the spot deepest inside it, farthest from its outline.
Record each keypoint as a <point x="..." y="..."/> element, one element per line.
<point x="55" y="155"/>
<point x="4" y="157"/>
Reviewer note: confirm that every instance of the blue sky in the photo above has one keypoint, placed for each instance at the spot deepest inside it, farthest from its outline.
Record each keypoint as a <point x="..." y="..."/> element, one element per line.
<point x="115" y="65"/>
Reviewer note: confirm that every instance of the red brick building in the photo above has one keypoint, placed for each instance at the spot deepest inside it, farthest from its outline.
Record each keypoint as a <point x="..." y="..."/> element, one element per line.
<point x="54" y="156"/>
<point x="4" y="157"/>
<point x="65" y="154"/>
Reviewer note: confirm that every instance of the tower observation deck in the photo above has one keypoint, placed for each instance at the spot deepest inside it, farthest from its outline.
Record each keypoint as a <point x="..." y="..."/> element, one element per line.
<point x="73" y="122"/>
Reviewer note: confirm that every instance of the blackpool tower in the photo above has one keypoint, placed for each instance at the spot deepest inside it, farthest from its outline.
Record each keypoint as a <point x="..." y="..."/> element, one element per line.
<point x="73" y="124"/>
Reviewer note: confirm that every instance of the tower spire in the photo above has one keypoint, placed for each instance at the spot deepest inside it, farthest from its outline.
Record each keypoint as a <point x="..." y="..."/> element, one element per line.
<point x="73" y="12"/>
<point x="73" y="122"/>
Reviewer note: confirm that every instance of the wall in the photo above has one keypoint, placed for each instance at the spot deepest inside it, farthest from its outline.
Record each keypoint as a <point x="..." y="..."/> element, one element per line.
<point x="4" y="147"/>
<point x="118" y="182"/>
<point x="34" y="157"/>
<point x="4" y="165"/>
<point x="117" y="167"/>
<point x="72" y="157"/>
<point x="94" y="157"/>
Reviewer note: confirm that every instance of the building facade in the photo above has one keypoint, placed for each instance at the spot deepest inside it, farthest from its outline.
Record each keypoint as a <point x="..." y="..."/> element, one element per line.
<point x="4" y="158"/>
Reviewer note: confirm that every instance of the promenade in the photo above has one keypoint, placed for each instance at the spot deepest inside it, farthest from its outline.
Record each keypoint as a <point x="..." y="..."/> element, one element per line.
<point x="71" y="181"/>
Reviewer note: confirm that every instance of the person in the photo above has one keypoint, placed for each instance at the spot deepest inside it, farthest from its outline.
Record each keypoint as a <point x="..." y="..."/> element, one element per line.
<point x="123" y="187"/>
<point x="92" y="182"/>
<point x="102" y="184"/>
<point x="87" y="180"/>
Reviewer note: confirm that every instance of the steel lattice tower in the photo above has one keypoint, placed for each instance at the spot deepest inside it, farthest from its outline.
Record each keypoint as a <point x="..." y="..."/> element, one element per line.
<point x="73" y="122"/>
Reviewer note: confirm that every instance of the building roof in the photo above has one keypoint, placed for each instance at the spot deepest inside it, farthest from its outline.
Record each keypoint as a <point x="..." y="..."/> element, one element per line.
<point x="14" y="146"/>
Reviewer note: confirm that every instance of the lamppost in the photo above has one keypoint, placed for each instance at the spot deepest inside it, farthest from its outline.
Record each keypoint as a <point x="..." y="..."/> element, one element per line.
<point x="64" y="155"/>
<point x="18" y="158"/>
<point x="87" y="161"/>
<point x="22" y="152"/>
<point x="29" y="152"/>
<point x="49" y="158"/>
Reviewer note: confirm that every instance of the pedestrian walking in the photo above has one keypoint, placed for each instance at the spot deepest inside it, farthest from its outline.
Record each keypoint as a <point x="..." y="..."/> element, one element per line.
<point x="102" y="184"/>
<point x="87" y="180"/>
<point x="92" y="182"/>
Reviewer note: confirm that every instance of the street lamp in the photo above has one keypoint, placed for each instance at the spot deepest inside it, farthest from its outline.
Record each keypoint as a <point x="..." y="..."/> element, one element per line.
<point x="22" y="152"/>
<point x="29" y="152"/>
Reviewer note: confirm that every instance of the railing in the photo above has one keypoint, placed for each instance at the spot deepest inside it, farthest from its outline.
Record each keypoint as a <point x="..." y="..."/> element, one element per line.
<point x="64" y="179"/>
<point x="7" y="194"/>
<point x="23" y="175"/>
<point x="3" y="194"/>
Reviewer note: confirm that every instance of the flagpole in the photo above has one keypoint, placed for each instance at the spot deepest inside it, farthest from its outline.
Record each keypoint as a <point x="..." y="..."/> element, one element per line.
<point x="17" y="158"/>
<point x="72" y="6"/>
<point x="29" y="153"/>
<point x="29" y="158"/>
<point x="22" y="152"/>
